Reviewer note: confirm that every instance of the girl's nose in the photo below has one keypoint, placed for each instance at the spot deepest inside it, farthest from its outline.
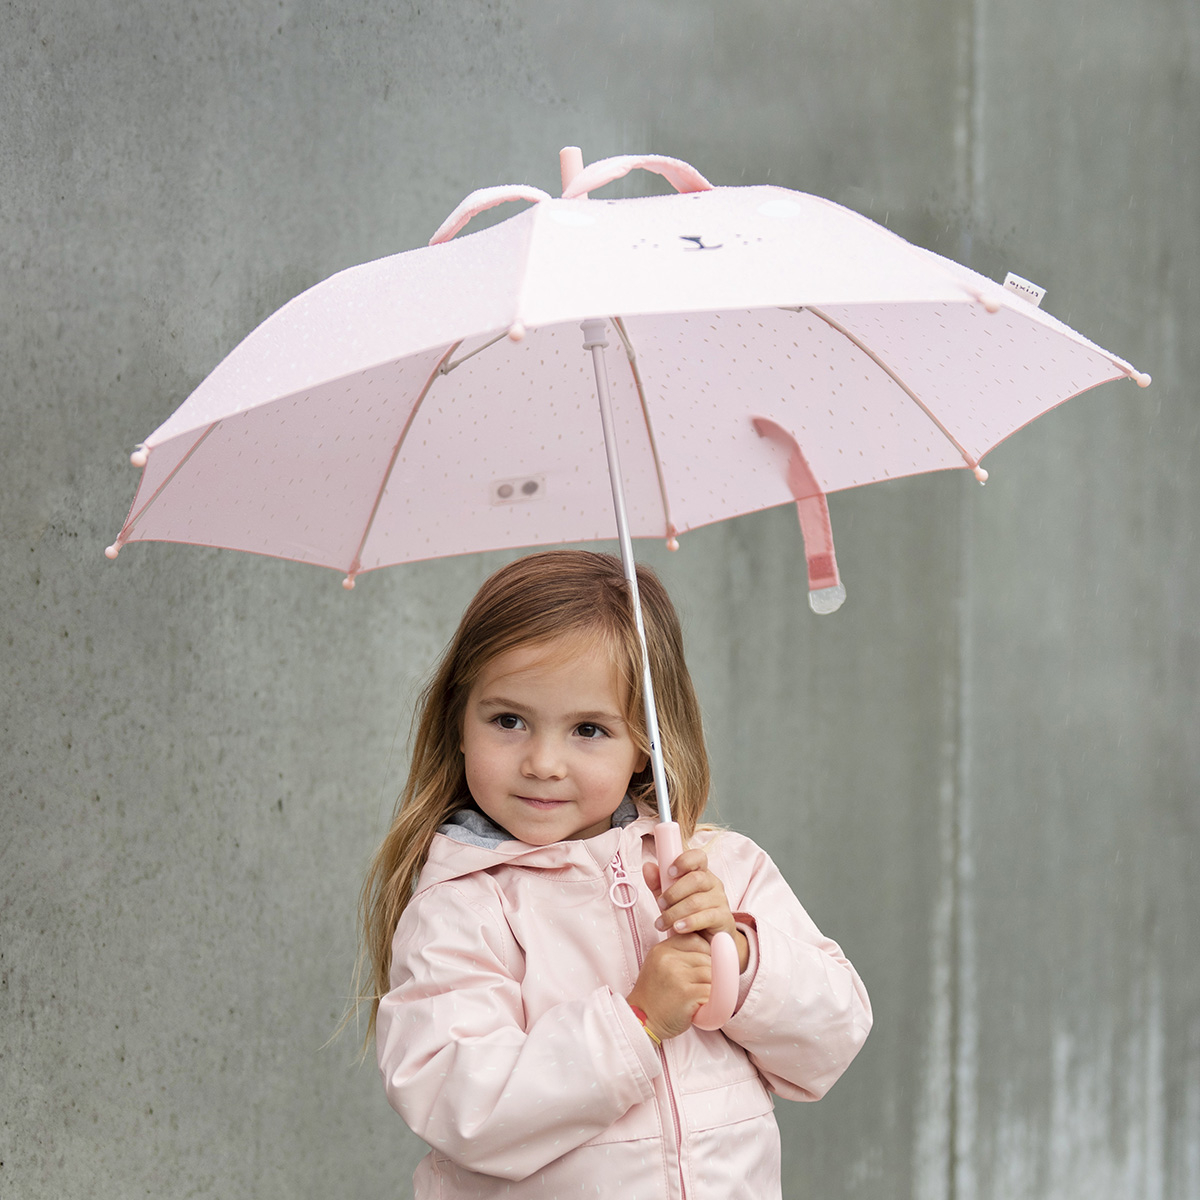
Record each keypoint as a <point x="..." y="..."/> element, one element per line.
<point x="543" y="760"/>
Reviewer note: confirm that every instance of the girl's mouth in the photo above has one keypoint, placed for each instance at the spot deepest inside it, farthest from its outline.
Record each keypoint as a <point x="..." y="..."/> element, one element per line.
<point x="544" y="804"/>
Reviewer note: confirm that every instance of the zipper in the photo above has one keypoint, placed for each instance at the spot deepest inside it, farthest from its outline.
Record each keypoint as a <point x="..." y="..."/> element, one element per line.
<point x="623" y="894"/>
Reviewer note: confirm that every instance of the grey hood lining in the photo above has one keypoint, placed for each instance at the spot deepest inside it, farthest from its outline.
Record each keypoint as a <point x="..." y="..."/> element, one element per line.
<point x="473" y="828"/>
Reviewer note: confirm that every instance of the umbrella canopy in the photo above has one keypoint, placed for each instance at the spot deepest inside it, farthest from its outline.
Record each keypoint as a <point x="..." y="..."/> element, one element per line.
<point x="765" y="346"/>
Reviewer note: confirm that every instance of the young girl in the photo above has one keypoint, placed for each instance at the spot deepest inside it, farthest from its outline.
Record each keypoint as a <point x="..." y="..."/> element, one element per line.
<point x="532" y="997"/>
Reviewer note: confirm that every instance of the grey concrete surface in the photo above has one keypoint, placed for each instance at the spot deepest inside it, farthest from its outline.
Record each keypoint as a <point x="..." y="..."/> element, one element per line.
<point x="981" y="775"/>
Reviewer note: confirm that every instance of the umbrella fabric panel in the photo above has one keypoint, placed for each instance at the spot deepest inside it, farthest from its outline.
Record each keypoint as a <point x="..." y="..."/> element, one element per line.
<point x="708" y="376"/>
<point x="506" y="450"/>
<point x="983" y="374"/>
<point x="296" y="478"/>
<point x="363" y="317"/>
<point x="725" y="249"/>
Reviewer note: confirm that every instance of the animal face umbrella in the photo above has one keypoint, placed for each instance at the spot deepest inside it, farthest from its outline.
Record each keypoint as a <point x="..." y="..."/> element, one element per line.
<point x="750" y="347"/>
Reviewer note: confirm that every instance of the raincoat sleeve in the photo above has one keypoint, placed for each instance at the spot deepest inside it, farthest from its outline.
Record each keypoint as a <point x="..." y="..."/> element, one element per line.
<point x="462" y="1069"/>
<point x="805" y="1014"/>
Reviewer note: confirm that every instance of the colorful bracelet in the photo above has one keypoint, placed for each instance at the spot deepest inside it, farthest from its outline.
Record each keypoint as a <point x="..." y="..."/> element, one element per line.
<point x="641" y="1016"/>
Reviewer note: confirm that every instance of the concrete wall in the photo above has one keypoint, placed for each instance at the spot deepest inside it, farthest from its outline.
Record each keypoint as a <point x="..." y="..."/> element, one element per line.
<point x="981" y="775"/>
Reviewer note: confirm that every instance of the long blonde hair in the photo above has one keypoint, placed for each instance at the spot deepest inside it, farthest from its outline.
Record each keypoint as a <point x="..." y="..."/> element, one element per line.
<point x="535" y="599"/>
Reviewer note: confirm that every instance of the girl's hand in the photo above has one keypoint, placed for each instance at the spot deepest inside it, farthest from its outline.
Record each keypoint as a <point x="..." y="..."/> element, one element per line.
<point x="675" y="980"/>
<point x="694" y="901"/>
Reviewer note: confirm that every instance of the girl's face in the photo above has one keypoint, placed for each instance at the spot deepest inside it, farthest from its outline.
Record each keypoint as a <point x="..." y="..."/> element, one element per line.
<point x="548" y="753"/>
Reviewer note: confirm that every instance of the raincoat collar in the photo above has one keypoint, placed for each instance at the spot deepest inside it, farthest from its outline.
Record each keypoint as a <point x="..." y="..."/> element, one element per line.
<point x="470" y="842"/>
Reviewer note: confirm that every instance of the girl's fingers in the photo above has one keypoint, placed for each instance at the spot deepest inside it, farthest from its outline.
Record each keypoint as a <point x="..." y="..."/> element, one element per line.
<point x="694" y="900"/>
<point x="706" y="918"/>
<point x="693" y="907"/>
<point x="694" y="894"/>
<point x="695" y="883"/>
<point x="688" y="943"/>
<point x="675" y="979"/>
<point x="690" y="899"/>
<point x="689" y="860"/>
<point x="683" y="867"/>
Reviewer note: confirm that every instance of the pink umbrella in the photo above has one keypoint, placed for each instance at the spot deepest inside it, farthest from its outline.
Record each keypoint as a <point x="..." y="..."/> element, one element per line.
<point x="750" y="347"/>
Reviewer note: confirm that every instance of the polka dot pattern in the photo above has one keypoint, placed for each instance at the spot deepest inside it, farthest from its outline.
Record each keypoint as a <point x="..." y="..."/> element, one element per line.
<point x="984" y="374"/>
<point x="296" y="478"/>
<point x="516" y="410"/>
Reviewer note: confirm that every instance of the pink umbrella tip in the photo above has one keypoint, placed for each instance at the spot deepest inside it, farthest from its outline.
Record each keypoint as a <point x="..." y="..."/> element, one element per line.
<point x="111" y="552"/>
<point x="140" y="456"/>
<point x="516" y="332"/>
<point x="981" y="474"/>
<point x="348" y="583"/>
<point x="1143" y="380"/>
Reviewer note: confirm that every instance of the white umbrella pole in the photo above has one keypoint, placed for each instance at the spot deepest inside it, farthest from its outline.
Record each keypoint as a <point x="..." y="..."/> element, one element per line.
<point x="594" y="339"/>
<point x="668" y="842"/>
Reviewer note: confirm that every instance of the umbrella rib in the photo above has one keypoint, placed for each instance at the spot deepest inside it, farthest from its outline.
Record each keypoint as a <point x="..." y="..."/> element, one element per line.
<point x="447" y="366"/>
<point x="971" y="461"/>
<point x="158" y="491"/>
<point x="356" y="563"/>
<point x="631" y="355"/>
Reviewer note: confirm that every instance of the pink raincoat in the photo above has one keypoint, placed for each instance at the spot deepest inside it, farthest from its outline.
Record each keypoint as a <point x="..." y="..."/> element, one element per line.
<point x="506" y="1042"/>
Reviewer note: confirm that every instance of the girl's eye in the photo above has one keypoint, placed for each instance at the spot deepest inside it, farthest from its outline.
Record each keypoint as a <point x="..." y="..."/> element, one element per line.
<point x="508" y="721"/>
<point x="590" y="732"/>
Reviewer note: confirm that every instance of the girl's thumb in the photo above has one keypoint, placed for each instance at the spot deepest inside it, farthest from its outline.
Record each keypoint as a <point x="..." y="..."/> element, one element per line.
<point x="653" y="882"/>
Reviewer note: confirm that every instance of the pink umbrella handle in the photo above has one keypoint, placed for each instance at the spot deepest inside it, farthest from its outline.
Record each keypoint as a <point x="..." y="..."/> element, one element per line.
<point x="480" y="201"/>
<point x="683" y="177"/>
<point x="721" y="1002"/>
<point x="668" y="846"/>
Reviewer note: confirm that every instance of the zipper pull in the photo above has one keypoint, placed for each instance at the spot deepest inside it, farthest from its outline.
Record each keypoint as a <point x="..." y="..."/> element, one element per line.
<point x="621" y="881"/>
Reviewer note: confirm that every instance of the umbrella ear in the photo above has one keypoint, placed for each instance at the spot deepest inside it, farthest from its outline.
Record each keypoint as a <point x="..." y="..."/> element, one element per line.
<point x="480" y="201"/>
<point x="825" y="591"/>
<point x="683" y="177"/>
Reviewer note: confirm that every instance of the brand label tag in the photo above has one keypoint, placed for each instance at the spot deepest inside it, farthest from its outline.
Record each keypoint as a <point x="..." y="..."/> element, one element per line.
<point x="1025" y="289"/>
